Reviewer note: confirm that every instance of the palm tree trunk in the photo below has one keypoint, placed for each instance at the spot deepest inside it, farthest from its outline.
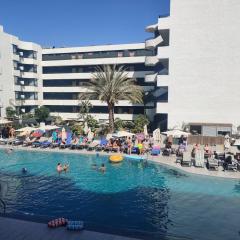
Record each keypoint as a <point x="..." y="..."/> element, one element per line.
<point x="111" y="117"/>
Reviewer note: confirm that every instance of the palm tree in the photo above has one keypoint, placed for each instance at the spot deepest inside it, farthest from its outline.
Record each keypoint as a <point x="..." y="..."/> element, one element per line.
<point x="111" y="84"/>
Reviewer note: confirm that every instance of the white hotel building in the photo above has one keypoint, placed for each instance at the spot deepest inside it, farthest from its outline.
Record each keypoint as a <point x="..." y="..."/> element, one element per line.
<point x="191" y="63"/>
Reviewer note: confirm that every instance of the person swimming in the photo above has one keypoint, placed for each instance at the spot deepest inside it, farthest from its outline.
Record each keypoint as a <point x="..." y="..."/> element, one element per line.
<point x="65" y="167"/>
<point x="59" y="168"/>
<point x="24" y="170"/>
<point x="102" y="168"/>
<point x="9" y="150"/>
<point x="94" y="166"/>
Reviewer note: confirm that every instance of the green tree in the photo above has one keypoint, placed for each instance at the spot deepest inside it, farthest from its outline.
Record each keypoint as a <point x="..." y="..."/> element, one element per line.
<point x="10" y="112"/>
<point x="27" y="116"/>
<point x="85" y="107"/>
<point x="111" y="84"/>
<point x="118" y="123"/>
<point x="42" y="113"/>
<point x="78" y="129"/>
<point x="139" y="123"/>
<point x="92" y="122"/>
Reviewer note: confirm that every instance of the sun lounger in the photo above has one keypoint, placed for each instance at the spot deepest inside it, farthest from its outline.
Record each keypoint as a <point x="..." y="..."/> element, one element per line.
<point x="102" y="145"/>
<point x="186" y="159"/>
<point x="18" y="141"/>
<point x="93" y="145"/>
<point x="56" y="144"/>
<point x="213" y="163"/>
<point x="3" y="141"/>
<point x="46" y="143"/>
<point x="199" y="159"/>
<point x="67" y="143"/>
<point x="29" y="142"/>
<point x="39" y="142"/>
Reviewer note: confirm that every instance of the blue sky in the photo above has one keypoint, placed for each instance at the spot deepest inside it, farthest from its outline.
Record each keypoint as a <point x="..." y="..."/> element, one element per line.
<point x="80" y="22"/>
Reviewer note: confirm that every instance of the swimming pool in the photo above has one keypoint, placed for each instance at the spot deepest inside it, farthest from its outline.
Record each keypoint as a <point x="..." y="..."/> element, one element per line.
<point x="133" y="199"/>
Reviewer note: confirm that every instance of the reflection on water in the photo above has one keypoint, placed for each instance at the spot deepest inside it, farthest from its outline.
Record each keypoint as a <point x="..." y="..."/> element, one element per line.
<point x="137" y="199"/>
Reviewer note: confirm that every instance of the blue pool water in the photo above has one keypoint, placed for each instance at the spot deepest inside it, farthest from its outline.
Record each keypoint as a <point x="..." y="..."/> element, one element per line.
<point x="150" y="201"/>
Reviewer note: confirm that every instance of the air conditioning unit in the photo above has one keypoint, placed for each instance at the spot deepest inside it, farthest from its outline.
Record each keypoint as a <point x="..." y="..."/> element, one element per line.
<point x="21" y="68"/>
<point x="22" y="82"/>
<point x="20" y="54"/>
<point x="22" y="96"/>
<point x="23" y="110"/>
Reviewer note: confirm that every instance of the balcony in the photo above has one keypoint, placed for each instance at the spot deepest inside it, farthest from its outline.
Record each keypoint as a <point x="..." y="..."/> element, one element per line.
<point x="151" y="28"/>
<point x="153" y="43"/>
<point x="151" y="77"/>
<point x="151" y="60"/>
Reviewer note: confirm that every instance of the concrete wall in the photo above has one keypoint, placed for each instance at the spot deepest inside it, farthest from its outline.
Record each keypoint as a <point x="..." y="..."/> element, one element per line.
<point x="6" y="71"/>
<point x="204" y="59"/>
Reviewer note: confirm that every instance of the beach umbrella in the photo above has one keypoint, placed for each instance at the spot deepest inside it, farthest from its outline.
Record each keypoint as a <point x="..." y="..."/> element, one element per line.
<point x="145" y="131"/>
<point x="64" y="134"/>
<point x="85" y="128"/>
<point x="157" y="135"/>
<point x="90" y="135"/>
<point x="38" y="133"/>
<point x="109" y="136"/>
<point x="29" y="129"/>
<point x="176" y="133"/>
<point x="49" y="127"/>
<point x="120" y="134"/>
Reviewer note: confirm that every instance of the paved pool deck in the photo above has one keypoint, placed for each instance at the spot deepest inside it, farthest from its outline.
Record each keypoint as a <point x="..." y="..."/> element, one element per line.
<point x="168" y="161"/>
<point x="14" y="229"/>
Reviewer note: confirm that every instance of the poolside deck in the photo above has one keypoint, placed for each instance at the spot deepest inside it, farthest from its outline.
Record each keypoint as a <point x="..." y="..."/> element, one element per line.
<point x="13" y="229"/>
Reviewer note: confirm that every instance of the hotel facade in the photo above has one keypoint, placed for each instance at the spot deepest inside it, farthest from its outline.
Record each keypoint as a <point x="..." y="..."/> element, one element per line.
<point x="188" y="68"/>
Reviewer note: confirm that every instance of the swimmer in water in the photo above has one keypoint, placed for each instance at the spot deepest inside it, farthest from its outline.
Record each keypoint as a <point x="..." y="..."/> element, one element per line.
<point x="9" y="150"/>
<point x="59" y="168"/>
<point x="94" y="166"/>
<point x="102" y="168"/>
<point x="24" y="170"/>
<point x="65" y="167"/>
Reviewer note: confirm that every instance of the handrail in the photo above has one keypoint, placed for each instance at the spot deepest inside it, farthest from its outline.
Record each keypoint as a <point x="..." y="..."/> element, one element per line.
<point x="4" y="205"/>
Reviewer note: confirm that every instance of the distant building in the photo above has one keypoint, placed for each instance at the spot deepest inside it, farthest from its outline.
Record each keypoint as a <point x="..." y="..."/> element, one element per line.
<point x="190" y="66"/>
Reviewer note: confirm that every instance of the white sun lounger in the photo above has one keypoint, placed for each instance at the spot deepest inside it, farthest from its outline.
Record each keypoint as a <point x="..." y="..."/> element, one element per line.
<point x="199" y="159"/>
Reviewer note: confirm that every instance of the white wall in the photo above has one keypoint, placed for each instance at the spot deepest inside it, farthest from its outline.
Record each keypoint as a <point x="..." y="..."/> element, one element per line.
<point x="6" y="71"/>
<point x="204" y="62"/>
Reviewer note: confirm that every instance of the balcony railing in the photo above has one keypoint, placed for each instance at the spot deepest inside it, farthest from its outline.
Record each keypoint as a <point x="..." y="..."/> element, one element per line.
<point x="151" y="77"/>
<point x="151" y="60"/>
<point x="152" y="43"/>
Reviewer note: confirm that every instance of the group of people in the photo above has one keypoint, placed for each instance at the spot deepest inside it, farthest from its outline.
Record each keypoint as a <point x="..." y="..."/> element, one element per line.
<point x="127" y="144"/>
<point x="62" y="168"/>
<point x="8" y="132"/>
<point x="102" y="168"/>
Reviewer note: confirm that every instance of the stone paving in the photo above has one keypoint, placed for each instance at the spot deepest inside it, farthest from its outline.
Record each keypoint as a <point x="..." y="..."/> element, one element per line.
<point x="14" y="229"/>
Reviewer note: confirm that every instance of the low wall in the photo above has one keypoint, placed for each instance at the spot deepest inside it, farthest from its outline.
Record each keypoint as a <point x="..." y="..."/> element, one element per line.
<point x="205" y="140"/>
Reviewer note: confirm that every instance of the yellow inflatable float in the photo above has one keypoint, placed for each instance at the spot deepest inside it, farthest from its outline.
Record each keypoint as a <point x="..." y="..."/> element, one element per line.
<point x="116" y="158"/>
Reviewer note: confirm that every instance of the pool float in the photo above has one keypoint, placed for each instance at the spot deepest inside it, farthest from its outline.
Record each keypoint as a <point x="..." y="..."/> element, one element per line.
<point x="57" y="222"/>
<point x="75" y="225"/>
<point x="116" y="158"/>
<point x="134" y="157"/>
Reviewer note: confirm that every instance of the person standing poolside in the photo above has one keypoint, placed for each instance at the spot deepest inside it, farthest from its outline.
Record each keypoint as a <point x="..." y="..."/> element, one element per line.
<point x="129" y="145"/>
<point x="59" y="168"/>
